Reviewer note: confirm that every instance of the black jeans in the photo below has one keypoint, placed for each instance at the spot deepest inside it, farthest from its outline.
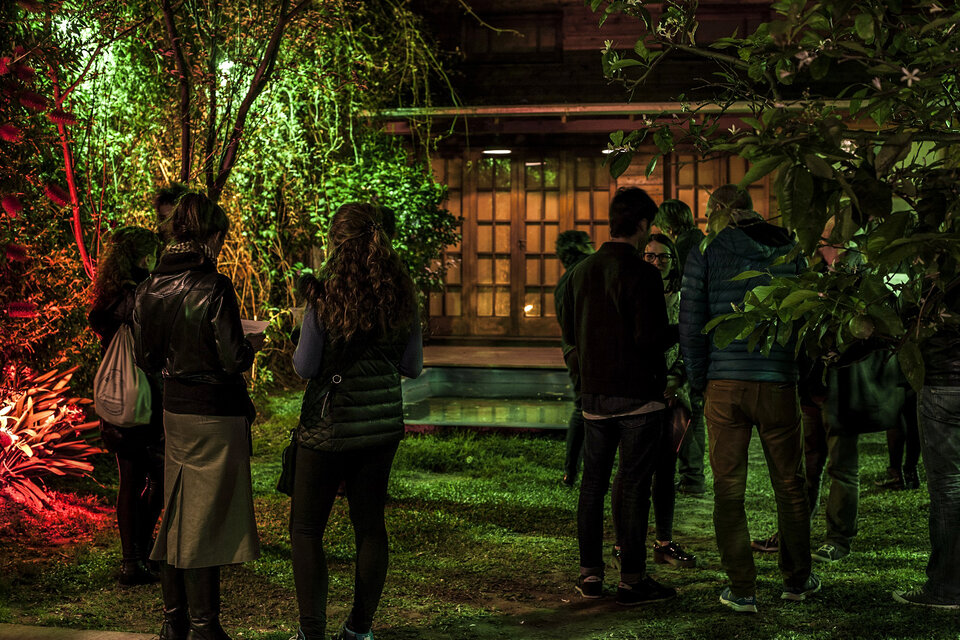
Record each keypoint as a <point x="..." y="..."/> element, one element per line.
<point x="690" y="463"/>
<point x="940" y="440"/>
<point x="365" y="473"/>
<point x="639" y="439"/>
<point x="905" y="438"/>
<point x="571" y="465"/>
<point x="139" y="452"/>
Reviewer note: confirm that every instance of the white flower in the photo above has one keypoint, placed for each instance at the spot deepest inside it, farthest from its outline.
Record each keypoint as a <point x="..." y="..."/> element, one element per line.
<point x="804" y="58"/>
<point x="733" y="130"/>
<point x="910" y="76"/>
<point x="876" y="84"/>
<point x="848" y="145"/>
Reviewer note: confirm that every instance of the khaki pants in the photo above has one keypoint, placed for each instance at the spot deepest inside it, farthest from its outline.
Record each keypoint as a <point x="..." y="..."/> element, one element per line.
<point x="733" y="408"/>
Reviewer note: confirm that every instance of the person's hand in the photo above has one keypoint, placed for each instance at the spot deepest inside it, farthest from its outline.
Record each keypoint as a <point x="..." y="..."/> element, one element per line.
<point x="256" y="340"/>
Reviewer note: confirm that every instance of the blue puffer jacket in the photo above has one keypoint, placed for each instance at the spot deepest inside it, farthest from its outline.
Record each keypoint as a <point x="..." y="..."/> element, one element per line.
<point x="708" y="292"/>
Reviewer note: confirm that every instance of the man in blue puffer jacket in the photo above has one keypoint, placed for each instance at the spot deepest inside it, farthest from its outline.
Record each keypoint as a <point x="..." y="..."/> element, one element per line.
<point x="744" y="389"/>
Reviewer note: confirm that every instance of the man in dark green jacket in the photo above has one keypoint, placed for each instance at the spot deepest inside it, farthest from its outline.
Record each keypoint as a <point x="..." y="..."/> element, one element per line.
<point x="614" y="314"/>
<point x="743" y="389"/>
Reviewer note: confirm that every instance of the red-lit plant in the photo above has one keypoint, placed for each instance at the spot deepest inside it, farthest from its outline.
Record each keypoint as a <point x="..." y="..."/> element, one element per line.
<point x="42" y="431"/>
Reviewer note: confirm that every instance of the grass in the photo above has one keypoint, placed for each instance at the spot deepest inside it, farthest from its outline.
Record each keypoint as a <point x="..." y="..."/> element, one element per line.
<point x="483" y="546"/>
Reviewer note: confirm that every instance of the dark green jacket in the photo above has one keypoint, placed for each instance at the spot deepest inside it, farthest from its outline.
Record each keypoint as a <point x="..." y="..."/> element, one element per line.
<point x="355" y="401"/>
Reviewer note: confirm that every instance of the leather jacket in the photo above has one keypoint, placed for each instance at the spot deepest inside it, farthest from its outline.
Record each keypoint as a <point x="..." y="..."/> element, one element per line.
<point x="187" y="325"/>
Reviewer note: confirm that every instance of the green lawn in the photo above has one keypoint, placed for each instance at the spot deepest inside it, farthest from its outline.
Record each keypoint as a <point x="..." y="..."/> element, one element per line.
<point x="483" y="545"/>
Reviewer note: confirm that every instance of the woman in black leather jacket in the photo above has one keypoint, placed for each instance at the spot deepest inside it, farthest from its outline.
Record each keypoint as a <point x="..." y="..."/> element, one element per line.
<point x="127" y="261"/>
<point x="361" y="332"/>
<point x="187" y="325"/>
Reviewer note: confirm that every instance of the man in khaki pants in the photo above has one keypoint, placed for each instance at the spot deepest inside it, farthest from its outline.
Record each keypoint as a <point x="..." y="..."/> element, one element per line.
<point x="743" y="390"/>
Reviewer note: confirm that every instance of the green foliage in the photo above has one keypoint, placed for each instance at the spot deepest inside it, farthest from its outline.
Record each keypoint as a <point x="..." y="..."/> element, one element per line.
<point x="868" y="171"/>
<point x="306" y="148"/>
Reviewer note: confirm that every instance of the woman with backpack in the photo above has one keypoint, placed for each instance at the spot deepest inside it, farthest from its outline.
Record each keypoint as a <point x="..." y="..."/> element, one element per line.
<point x="187" y="324"/>
<point x="127" y="261"/>
<point x="361" y="332"/>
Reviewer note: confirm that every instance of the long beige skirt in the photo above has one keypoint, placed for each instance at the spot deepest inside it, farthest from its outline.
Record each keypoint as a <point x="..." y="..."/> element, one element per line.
<point x="208" y="517"/>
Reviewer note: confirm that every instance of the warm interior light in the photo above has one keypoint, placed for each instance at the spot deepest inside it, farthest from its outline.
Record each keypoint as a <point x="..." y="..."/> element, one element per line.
<point x="497" y="152"/>
<point x="607" y="152"/>
<point x="528" y="308"/>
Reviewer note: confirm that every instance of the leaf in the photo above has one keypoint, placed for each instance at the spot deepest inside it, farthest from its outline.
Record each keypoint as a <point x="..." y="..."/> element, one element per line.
<point x="761" y="168"/>
<point x="795" y="194"/>
<point x="651" y="166"/>
<point x="798" y="296"/>
<point x="863" y="24"/>
<point x="818" y="166"/>
<point x="727" y="332"/>
<point x="746" y="275"/>
<point x="894" y="149"/>
<point x="911" y="363"/>
<point x="620" y="163"/>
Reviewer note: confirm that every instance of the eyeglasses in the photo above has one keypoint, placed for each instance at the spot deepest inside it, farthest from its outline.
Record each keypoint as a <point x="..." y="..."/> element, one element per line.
<point x="662" y="258"/>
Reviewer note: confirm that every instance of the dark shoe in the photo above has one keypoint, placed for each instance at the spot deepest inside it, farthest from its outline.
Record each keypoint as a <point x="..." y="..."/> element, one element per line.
<point x="690" y="489"/>
<point x="740" y="604"/>
<point x="299" y="635"/>
<point x="829" y="553"/>
<point x="891" y="480"/>
<point x="346" y="634"/>
<point x="203" y="600"/>
<point x="644" y="592"/>
<point x="672" y="554"/>
<point x="134" y="572"/>
<point x="921" y="598"/>
<point x="798" y="594"/>
<point x="590" y="587"/>
<point x="769" y="545"/>
<point x="911" y="479"/>
<point x="568" y="481"/>
<point x="176" y="621"/>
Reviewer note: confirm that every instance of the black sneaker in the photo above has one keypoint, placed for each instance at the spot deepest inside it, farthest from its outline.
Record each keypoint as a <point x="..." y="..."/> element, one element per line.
<point x="799" y="594"/>
<point x="829" y="553"/>
<point x="921" y="598"/>
<point x="911" y="479"/>
<point x="644" y="592"/>
<point x="672" y="553"/>
<point x="690" y="489"/>
<point x="590" y="587"/>
<point x="891" y="480"/>
<point x="767" y="545"/>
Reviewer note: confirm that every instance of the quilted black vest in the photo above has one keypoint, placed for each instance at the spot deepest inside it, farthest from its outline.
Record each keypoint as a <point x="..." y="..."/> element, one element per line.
<point x="356" y="401"/>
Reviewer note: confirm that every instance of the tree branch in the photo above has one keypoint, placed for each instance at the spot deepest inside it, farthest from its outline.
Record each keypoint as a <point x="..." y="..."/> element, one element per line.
<point x="213" y="71"/>
<point x="70" y="171"/>
<point x="184" y="84"/>
<point x="260" y="79"/>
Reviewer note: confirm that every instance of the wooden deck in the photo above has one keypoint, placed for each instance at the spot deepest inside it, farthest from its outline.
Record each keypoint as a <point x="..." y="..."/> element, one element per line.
<point x="493" y="357"/>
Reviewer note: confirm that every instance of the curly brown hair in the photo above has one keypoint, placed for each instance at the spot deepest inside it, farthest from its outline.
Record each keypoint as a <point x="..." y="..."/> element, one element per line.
<point x="128" y="245"/>
<point x="363" y="287"/>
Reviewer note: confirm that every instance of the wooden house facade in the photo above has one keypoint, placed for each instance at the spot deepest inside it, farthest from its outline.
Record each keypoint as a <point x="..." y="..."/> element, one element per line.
<point x="527" y="158"/>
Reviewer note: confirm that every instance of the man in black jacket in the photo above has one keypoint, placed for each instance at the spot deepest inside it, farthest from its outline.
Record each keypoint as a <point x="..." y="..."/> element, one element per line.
<point x="614" y="314"/>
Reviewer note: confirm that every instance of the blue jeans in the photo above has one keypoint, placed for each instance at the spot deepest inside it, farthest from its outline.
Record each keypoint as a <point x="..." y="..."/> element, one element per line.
<point x="940" y="441"/>
<point x="639" y="439"/>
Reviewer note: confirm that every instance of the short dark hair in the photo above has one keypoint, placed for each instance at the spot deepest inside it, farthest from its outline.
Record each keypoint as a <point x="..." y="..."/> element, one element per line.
<point x="675" y="216"/>
<point x="629" y="206"/>
<point x="196" y="218"/>
<point x="164" y="202"/>
<point x="729" y="197"/>
<point x="571" y="245"/>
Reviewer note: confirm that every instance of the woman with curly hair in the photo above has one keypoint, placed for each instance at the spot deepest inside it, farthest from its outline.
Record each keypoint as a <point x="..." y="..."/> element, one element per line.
<point x="128" y="260"/>
<point x="361" y="332"/>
